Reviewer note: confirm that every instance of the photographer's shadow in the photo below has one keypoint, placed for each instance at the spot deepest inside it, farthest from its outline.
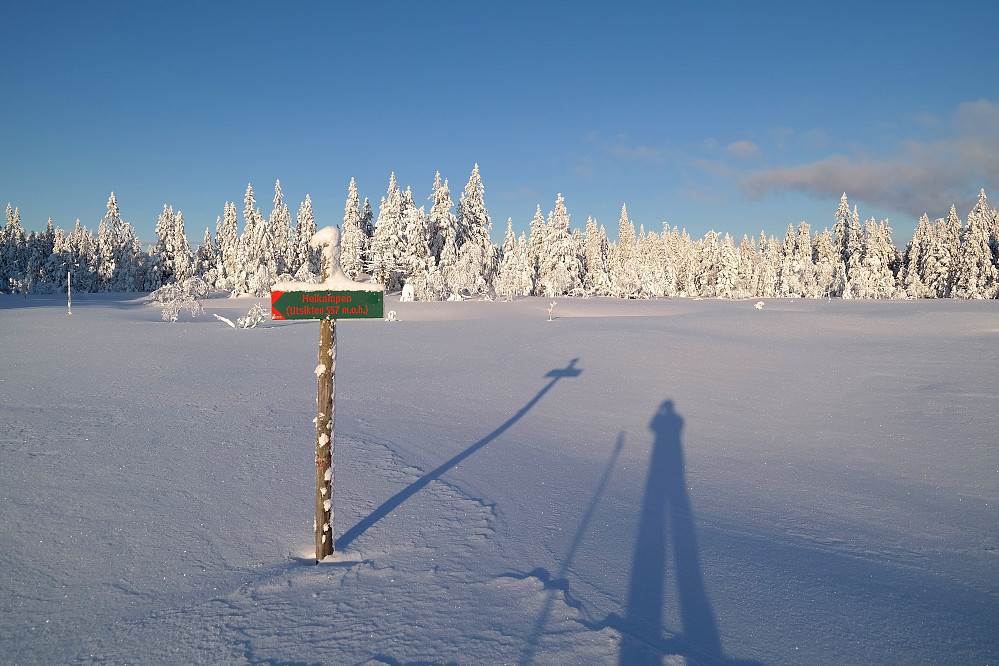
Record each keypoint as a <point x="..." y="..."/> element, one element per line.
<point x="666" y="527"/>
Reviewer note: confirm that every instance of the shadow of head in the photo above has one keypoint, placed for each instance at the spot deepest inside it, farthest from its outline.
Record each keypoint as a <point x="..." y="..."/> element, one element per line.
<point x="666" y="419"/>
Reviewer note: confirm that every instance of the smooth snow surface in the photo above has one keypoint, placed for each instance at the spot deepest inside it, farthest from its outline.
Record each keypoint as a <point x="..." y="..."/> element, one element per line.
<point x="634" y="482"/>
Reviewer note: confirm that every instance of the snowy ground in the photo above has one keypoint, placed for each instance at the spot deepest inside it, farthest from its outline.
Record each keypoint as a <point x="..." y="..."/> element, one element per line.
<point x="634" y="482"/>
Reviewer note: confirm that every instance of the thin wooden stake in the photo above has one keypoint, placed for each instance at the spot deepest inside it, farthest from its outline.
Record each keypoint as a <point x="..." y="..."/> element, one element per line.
<point x="324" y="439"/>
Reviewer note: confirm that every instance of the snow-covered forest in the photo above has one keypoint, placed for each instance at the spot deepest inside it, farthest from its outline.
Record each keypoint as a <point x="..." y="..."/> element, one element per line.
<point x="447" y="252"/>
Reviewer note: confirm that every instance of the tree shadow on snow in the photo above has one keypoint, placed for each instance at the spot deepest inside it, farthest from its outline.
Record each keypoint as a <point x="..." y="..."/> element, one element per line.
<point x="392" y="503"/>
<point x="666" y="527"/>
<point x="120" y="300"/>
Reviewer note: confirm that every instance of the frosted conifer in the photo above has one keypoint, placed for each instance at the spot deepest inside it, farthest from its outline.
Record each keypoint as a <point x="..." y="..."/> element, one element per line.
<point x="624" y="279"/>
<point x="976" y="266"/>
<point x="537" y="246"/>
<point x="388" y="243"/>
<point x="595" y="248"/>
<point x="559" y="267"/>
<point x="229" y="256"/>
<point x="279" y="228"/>
<point x="353" y="239"/>
<point x="473" y="225"/>
<point x="306" y="256"/>
<point x="442" y="224"/>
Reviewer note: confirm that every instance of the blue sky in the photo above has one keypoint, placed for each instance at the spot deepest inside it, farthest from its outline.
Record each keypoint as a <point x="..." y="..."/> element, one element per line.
<point x="733" y="116"/>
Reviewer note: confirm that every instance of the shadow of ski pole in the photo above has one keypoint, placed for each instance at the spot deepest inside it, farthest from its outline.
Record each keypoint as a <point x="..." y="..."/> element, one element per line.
<point x="392" y="503"/>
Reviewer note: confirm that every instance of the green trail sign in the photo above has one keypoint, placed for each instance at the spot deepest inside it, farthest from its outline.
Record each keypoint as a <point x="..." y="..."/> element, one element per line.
<point x="327" y="304"/>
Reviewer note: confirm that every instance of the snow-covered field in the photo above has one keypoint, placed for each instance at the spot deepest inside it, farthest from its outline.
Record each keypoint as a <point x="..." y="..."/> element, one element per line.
<point x="670" y="481"/>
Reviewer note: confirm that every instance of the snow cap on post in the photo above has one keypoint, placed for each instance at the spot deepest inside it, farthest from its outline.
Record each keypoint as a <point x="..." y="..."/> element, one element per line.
<point x="328" y="240"/>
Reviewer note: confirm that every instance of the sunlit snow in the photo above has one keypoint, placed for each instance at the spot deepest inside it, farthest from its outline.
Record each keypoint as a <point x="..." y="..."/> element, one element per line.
<point x="674" y="481"/>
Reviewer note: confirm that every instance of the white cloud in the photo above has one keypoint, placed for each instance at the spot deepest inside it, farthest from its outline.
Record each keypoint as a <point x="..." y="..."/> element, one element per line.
<point x="917" y="177"/>
<point x="744" y="150"/>
<point x="648" y="154"/>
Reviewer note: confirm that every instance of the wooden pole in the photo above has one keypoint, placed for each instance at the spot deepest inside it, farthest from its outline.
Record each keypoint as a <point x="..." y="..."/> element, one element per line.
<point x="324" y="439"/>
<point x="69" y="292"/>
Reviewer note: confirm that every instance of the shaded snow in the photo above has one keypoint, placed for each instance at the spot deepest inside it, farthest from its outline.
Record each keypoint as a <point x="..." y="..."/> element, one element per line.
<point x="633" y="482"/>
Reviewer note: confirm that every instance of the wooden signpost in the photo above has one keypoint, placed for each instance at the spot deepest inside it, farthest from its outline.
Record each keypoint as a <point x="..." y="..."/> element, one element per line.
<point x="337" y="297"/>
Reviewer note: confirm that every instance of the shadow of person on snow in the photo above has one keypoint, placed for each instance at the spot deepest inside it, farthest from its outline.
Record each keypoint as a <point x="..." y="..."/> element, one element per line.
<point x="666" y="526"/>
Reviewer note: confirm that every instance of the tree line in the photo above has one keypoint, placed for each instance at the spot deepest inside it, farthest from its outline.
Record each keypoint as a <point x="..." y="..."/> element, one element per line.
<point x="447" y="252"/>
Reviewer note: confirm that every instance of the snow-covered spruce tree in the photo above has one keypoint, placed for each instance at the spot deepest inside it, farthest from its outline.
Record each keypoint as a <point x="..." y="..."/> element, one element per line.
<point x="165" y="266"/>
<point x="769" y="266"/>
<point x="107" y="238"/>
<point x="473" y="225"/>
<point x="257" y="249"/>
<point x="950" y="231"/>
<point x="748" y="284"/>
<point x="32" y="279"/>
<point x="829" y="267"/>
<point x="206" y="259"/>
<point x="651" y="263"/>
<point x="248" y="258"/>
<point x="306" y="258"/>
<point x="933" y="269"/>
<point x="467" y="278"/>
<point x="841" y="229"/>
<point x="797" y="272"/>
<point x="727" y="284"/>
<point x="671" y="240"/>
<point x="560" y="267"/>
<point x="976" y="265"/>
<point x="229" y="255"/>
<point x="805" y="259"/>
<point x="174" y="259"/>
<point x="353" y="240"/>
<point x="624" y="277"/>
<point x="645" y="258"/>
<point x="119" y="251"/>
<point x="442" y="222"/>
<point x="856" y="239"/>
<point x="183" y="256"/>
<point x="417" y="258"/>
<point x="13" y="253"/>
<point x="887" y="264"/>
<point x="596" y="281"/>
<point x="58" y="262"/>
<point x="912" y="279"/>
<point x="537" y="246"/>
<point x="367" y="219"/>
<point x="873" y="275"/>
<point x="389" y="242"/>
<point x="787" y="275"/>
<point x="708" y="253"/>
<point x="279" y="226"/>
<point x="82" y="248"/>
<point x="511" y="277"/>
<point x="47" y="278"/>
